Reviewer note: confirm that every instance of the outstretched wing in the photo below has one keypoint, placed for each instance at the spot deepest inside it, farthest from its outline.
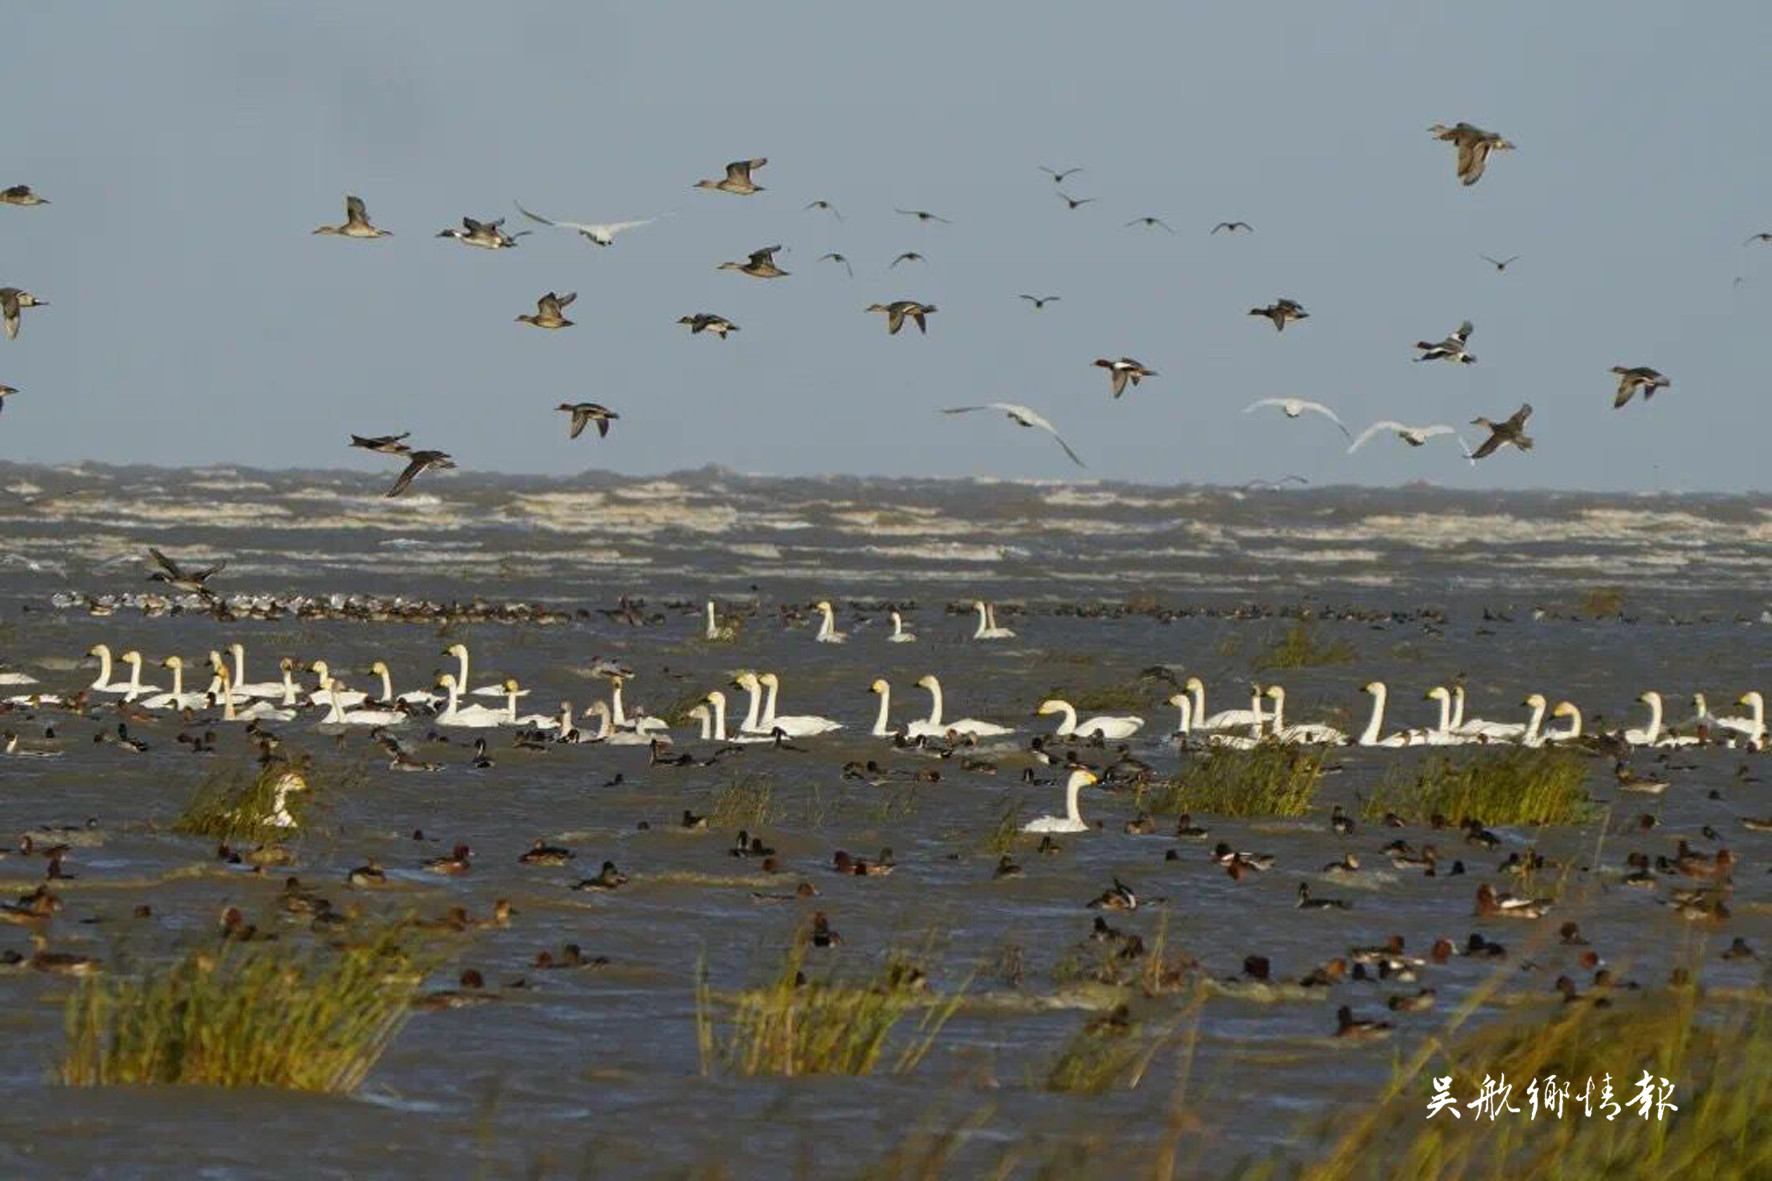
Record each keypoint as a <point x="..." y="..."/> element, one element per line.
<point x="1282" y="403"/>
<point x="580" y="416"/>
<point x="165" y="563"/>
<point x="406" y="477"/>
<point x="1376" y="428"/>
<point x="1464" y="332"/>
<point x="1319" y="408"/>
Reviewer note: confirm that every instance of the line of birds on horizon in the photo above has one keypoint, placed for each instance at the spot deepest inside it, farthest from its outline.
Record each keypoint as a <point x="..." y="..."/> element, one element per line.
<point x="1473" y="144"/>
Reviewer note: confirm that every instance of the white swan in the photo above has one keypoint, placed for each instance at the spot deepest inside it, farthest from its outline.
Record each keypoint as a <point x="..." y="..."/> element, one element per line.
<point x="1442" y="734"/>
<point x="793" y="725"/>
<point x="1184" y="726"/>
<point x="987" y="624"/>
<point x="460" y="652"/>
<point x="1565" y="709"/>
<point x="388" y="696"/>
<point x="330" y="691"/>
<point x="103" y="683"/>
<point x="476" y="717"/>
<point x="1753" y="727"/>
<point x="700" y="714"/>
<point x="610" y="736"/>
<point x="717" y="699"/>
<point x="1104" y="727"/>
<point x="241" y="688"/>
<point x="135" y="688"/>
<point x="1373" y="734"/>
<point x="1650" y="734"/>
<point x="827" y="631"/>
<point x="716" y="631"/>
<point x="753" y="714"/>
<point x="258" y="711"/>
<point x="1304" y="732"/>
<point x="7" y="678"/>
<point x="531" y="721"/>
<point x="1072" y="820"/>
<point x="1224" y="719"/>
<point x="899" y="635"/>
<point x="640" y="723"/>
<point x="178" y="698"/>
<point x="965" y="725"/>
<point x="1480" y="727"/>
<point x="338" y="716"/>
<point x="882" y="725"/>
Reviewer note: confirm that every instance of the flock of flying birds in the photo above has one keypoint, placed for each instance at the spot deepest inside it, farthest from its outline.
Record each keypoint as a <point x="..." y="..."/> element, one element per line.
<point x="1473" y="144"/>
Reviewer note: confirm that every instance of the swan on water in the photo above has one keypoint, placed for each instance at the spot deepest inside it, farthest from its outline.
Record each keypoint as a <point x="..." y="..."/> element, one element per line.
<point x="1184" y="725"/>
<point x="1480" y="727"/>
<point x="460" y="652"/>
<point x="717" y="699"/>
<point x="1373" y="734"/>
<point x="965" y="725"/>
<point x="1651" y="733"/>
<point x="700" y="714"/>
<point x="753" y="716"/>
<point x="241" y="688"/>
<point x="1303" y="732"/>
<point x="882" y="724"/>
<point x="337" y="692"/>
<point x="640" y="722"/>
<point x="793" y="725"/>
<point x="899" y="635"/>
<point x="389" y="697"/>
<point x="1752" y="728"/>
<point x="135" y="688"/>
<point x="11" y="678"/>
<point x="827" y="631"/>
<point x="474" y="716"/>
<point x="1224" y="719"/>
<point x="103" y="682"/>
<point x="531" y="721"/>
<point x="1442" y="734"/>
<point x="1565" y="709"/>
<point x="260" y="710"/>
<point x="608" y="735"/>
<point x="718" y="631"/>
<point x="987" y="624"/>
<point x="1072" y="820"/>
<point x="337" y="715"/>
<point x="178" y="698"/>
<point x="1124" y="726"/>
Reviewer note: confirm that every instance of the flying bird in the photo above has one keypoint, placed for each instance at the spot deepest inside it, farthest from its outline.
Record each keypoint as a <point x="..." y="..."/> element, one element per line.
<point x="1500" y="264"/>
<point x="1762" y="236"/>
<point x="1415" y="436"/>
<point x="923" y="215"/>
<point x="548" y="311"/>
<point x="5" y="392"/>
<point x="907" y="256"/>
<point x="1281" y="311"/>
<point x="485" y="234"/>
<point x="1039" y="301"/>
<point x="191" y="581"/>
<point x="1057" y="174"/>
<point x="1293" y="407"/>
<point x="1074" y="202"/>
<point x="11" y="300"/>
<point x="356" y="223"/>
<point x="386" y="444"/>
<point x="761" y="264"/>
<point x="1122" y="371"/>
<point x="1450" y="349"/>
<point x="420" y="461"/>
<point x="1631" y="380"/>
<point x="602" y="233"/>
<point x="833" y="256"/>
<point x="1022" y="416"/>
<point x="737" y="178"/>
<point x="20" y="195"/>
<point x="708" y="322"/>
<point x="1233" y="227"/>
<point x="1502" y="434"/>
<point x="587" y="412"/>
<point x="826" y="206"/>
<point x="898" y="309"/>
<point x="1474" y="145"/>
<point x="1150" y="223"/>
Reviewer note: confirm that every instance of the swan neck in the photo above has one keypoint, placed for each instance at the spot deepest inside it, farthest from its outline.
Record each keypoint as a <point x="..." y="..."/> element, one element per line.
<point x="1072" y="790"/>
<point x="720" y="718"/>
<point x="1457" y="707"/>
<point x="1068" y="726"/>
<point x="713" y="631"/>
<point x="239" y="653"/>
<point x="880" y="730"/>
<point x="1375" y="724"/>
<point x="934" y="688"/>
<point x="387" y="686"/>
<point x="751" y="714"/>
<point x="335" y="714"/>
<point x="769" y="706"/>
<point x="984" y="621"/>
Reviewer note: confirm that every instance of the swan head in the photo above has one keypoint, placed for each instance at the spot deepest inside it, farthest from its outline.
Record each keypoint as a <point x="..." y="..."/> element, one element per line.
<point x="770" y="679"/>
<point x="1438" y="693"/>
<point x="1373" y="687"/>
<point x="510" y="685"/>
<point x="286" y="665"/>
<point x="131" y="657"/>
<point x="1649" y="697"/>
<point x="1565" y="709"/>
<point x="700" y="713"/>
<point x="716" y="698"/>
<point x="237" y="649"/>
<point x="173" y="662"/>
<point x="746" y="680"/>
<point x="824" y="606"/>
<point x="379" y="667"/>
<point x="1534" y="701"/>
<point x="879" y="686"/>
<point x="598" y="709"/>
<point x="1082" y="778"/>
<point x="1277" y="692"/>
<point x="1752" y="700"/>
<point x="1052" y="705"/>
<point x="98" y="652"/>
<point x="1179" y="699"/>
<point x="459" y="651"/>
<point x="1194" y="685"/>
<point x="928" y="682"/>
<point x="896" y="618"/>
<point x="319" y="668"/>
<point x="446" y="681"/>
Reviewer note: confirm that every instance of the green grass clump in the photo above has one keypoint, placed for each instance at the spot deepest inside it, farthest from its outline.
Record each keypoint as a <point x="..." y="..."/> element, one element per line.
<point x="797" y="1026"/>
<point x="1004" y="831"/>
<point x="1523" y="785"/>
<point x="1272" y="779"/>
<point x="1718" y="1056"/>
<point x="744" y="802"/>
<point x="1106" y="1052"/>
<point x="1299" y="647"/>
<point x="238" y="803"/>
<point x="244" y="1015"/>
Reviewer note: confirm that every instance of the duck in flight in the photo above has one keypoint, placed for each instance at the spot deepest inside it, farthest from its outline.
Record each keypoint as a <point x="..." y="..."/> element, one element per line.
<point x="1233" y="226"/>
<point x="194" y="582"/>
<point x="6" y="391"/>
<point x="833" y="256"/>
<point x="356" y="223"/>
<point x="923" y="215"/>
<point x="1039" y="301"/>
<point x="420" y="461"/>
<point x="386" y="444"/>
<point x="485" y="234"/>
<point x="1122" y="371"/>
<point x="737" y="179"/>
<point x="1450" y="349"/>
<point x="826" y="206"/>
<point x="20" y="195"/>
<point x="11" y="300"/>
<point x="1415" y="436"/>
<point x="1631" y="380"/>
<point x="1022" y="416"/>
<point x="1762" y="236"/>
<point x="1150" y="223"/>
<point x="587" y="412"/>
<point x="708" y="322"/>
<point x="907" y="256"/>
<point x="548" y="312"/>
<point x="1058" y="174"/>
<point x="898" y="309"/>
<point x="1474" y="145"/>
<point x="601" y="233"/>
<point x="1500" y="264"/>
<point x="760" y="265"/>
<point x="1281" y="312"/>
<point x="1511" y="432"/>
<point x="1294" y="407"/>
<point x="1073" y="202"/>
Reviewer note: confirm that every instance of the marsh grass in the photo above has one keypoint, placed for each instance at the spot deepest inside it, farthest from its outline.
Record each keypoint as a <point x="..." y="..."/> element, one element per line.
<point x="1272" y="779"/>
<point x="746" y="801"/>
<point x="237" y="802"/>
<point x="1601" y="602"/>
<point x="1132" y="694"/>
<point x="267" y="1014"/>
<point x="798" y="1026"/>
<point x="1106" y="1052"/>
<point x="1003" y="832"/>
<point x="677" y="712"/>
<point x="1518" y="786"/>
<point x="1299" y="647"/>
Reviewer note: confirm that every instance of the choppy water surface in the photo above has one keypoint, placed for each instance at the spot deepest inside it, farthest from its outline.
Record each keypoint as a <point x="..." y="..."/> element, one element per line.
<point x="595" y="1070"/>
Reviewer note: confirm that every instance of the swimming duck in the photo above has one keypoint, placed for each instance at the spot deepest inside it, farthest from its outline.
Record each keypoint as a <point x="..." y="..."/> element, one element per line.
<point x="459" y="861"/>
<point x="485" y="234"/>
<point x="1491" y="904"/>
<point x="542" y="853"/>
<point x="11" y="300"/>
<point x="898" y="309"/>
<point x="1223" y="854"/>
<point x="1422" y="1001"/>
<point x="418" y="463"/>
<point x="548" y="313"/>
<point x="708" y="322"/>
<point x="1187" y="830"/>
<point x="1122" y="371"/>
<point x="20" y="195"/>
<point x="1346" y="1026"/>
<point x="1281" y="312"/>
<point x="1474" y="145"/>
<point x="587" y="412"/>
<point x="608" y="878"/>
<point x="1511" y="432"/>
<point x="760" y="264"/>
<point x="356" y="223"/>
<point x="367" y="875"/>
<point x="1639" y="378"/>
<point x="737" y="179"/>
<point x="1450" y="349"/>
<point x="1118" y="896"/>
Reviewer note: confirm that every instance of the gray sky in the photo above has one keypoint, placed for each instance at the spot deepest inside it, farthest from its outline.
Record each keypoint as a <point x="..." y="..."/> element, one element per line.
<point x="189" y="148"/>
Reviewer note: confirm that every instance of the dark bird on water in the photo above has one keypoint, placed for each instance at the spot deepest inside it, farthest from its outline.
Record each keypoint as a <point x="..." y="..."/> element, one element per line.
<point x="586" y="412"/>
<point x="356" y="223"/>
<point x="1450" y="349"/>
<point x="1233" y="227"/>
<point x="1474" y="145"/>
<point x="1282" y="311"/>
<point x="1122" y="371"/>
<point x="737" y="178"/>
<point x="20" y="195"/>
<point x="898" y="309"/>
<point x="760" y="264"/>
<point x="386" y="444"/>
<point x="548" y="311"/>
<point x="1040" y="301"/>
<point x="708" y="322"/>
<point x="1631" y="380"/>
<point x="1511" y="432"/>
<point x="420" y="461"/>
<point x="1150" y="223"/>
<point x="1500" y="264"/>
<point x="11" y="300"/>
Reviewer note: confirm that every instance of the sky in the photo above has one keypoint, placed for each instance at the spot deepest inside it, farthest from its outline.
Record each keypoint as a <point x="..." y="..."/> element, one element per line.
<point x="189" y="149"/>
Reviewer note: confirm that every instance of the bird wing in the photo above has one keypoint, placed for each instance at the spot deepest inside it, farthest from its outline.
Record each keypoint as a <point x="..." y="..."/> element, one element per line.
<point x="563" y="300"/>
<point x="1024" y="416"/>
<point x="1319" y="408"/>
<point x="1488" y="447"/>
<point x="741" y="169"/>
<point x="894" y="320"/>
<point x="165" y="563"/>
<point x="355" y="211"/>
<point x="610" y="229"/>
<point x="1257" y="405"/>
<point x="767" y="254"/>
<point x="207" y="574"/>
<point x="1521" y="415"/>
<point x="580" y="416"/>
<point x="417" y="465"/>
<point x="1472" y="159"/>
<point x="1627" y="385"/>
<point x="545" y="221"/>
<point x="1117" y="378"/>
<point x="1464" y="332"/>
<point x="1375" y="428"/>
<point x="1438" y="428"/>
<point x="970" y="409"/>
<point x="603" y="424"/>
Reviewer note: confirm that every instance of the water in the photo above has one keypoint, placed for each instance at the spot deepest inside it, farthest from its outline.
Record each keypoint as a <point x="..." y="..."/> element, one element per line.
<point x="594" y="1071"/>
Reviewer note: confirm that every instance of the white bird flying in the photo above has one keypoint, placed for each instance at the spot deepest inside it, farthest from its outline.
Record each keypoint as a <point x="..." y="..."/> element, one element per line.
<point x="602" y="234"/>
<point x="1293" y="407"/>
<point x="1022" y="416"/>
<point x="1415" y="436"/>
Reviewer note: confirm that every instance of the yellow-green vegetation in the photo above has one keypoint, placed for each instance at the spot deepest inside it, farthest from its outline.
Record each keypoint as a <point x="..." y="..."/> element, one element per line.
<point x="1601" y="601"/>
<point x="1718" y="1056"/>
<point x="1270" y="779"/>
<point x="1001" y="836"/>
<point x="242" y="803"/>
<point x="1520" y="785"/>
<point x="797" y="1026"/>
<point x="1137" y="693"/>
<point x="1299" y="647"/>
<point x="744" y="802"/>
<point x="677" y="712"/>
<point x="266" y="1014"/>
<point x="1106" y="1052"/>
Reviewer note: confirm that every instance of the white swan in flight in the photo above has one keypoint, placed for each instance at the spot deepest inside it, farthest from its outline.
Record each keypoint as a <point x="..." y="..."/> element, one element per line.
<point x="882" y="721"/>
<point x="965" y="725"/>
<point x="987" y="624"/>
<point x="793" y="725"/>
<point x="1415" y="436"/>
<point x="899" y="635"/>
<point x="1025" y="417"/>
<point x="1294" y="407"/>
<point x="1104" y="727"/>
<point x="1304" y="732"/>
<point x="476" y="717"/>
<point x="178" y="698"/>
<point x="1224" y="719"/>
<point x="827" y="630"/>
<point x="602" y="233"/>
<point x="1072" y="820"/>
